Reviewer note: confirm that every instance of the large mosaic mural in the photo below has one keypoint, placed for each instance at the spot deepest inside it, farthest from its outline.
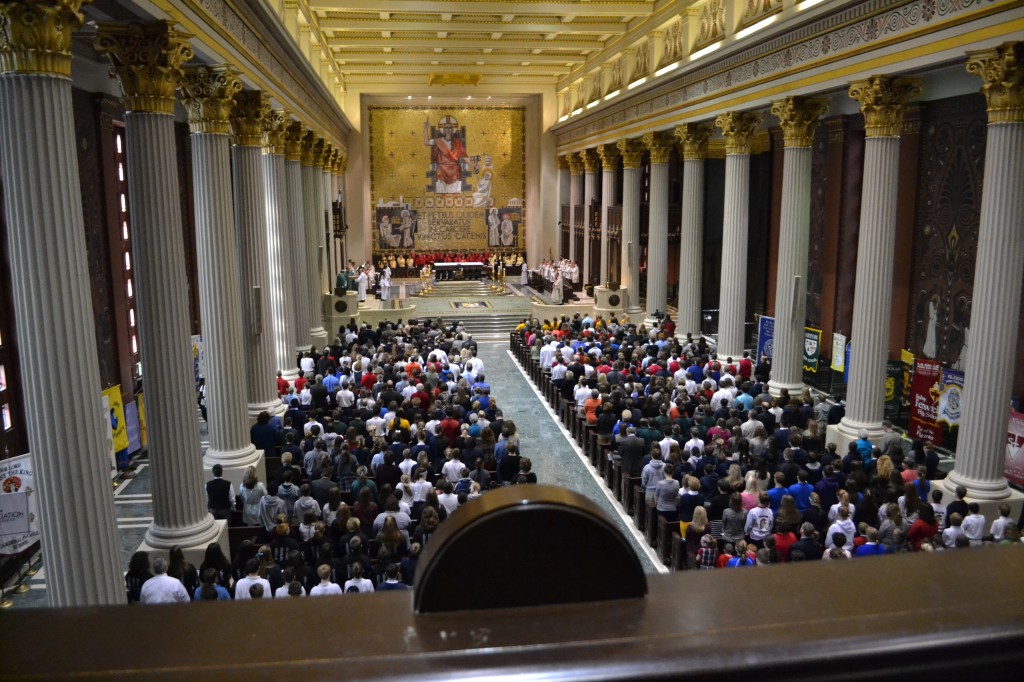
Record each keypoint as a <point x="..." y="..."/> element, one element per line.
<point x="447" y="179"/>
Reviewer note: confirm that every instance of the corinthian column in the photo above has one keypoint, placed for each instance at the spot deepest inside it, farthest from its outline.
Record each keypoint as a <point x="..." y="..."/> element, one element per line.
<point x="312" y="204"/>
<point x="247" y="116"/>
<point x="799" y="119"/>
<point x="882" y="101"/>
<point x="632" y="151"/>
<point x="147" y="60"/>
<point x="610" y="156"/>
<point x="300" y="316"/>
<point x="575" y="173"/>
<point x="282" y="296"/>
<point x="590" y="162"/>
<point x="981" y="448"/>
<point x="739" y="130"/>
<point x="660" y="146"/>
<point x="693" y="145"/>
<point x="47" y="261"/>
<point x="207" y="95"/>
<point x="563" y="198"/>
<point x="326" y="190"/>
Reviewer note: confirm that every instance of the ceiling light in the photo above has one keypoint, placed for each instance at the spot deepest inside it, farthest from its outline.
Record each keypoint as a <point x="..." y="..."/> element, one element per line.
<point x="577" y="111"/>
<point x="665" y="69"/>
<point x="706" y="51"/>
<point x="638" y="82"/>
<point x="756" y="27"/>
<point x="807" y="4"/>
<point x="563" y="117"/>
<point x="611" y="94"/>
<point x="488" y="96"/>
<point x="429" y="97"/>
<point x="593" y="104"/>
<point x="408" y="97"/>
<point x="469" y="96"/>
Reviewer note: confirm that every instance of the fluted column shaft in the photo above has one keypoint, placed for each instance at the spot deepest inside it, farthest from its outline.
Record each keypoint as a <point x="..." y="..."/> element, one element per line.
<point x="47" y="260"/>
<point x="219" y="296"/>
<point x="733" y="289"/>
<point x="282" y="294"/>
<point x="588" y="199"/>
<point x="791" y="277"/>
<point x="179" y="504"/>
<point x="657" y="241"/>
<point x="326" y="191"/>
<point x="301" y="317"/>
<point x="564" y="184"/>
<point x="691" y="249"/>
<point x="312" y="188"/>
<point x="630" y="275"/>
<point x="575" y="190"/>
<point x="257" y="328"/>
<point x="981" y="447"/>
<point x="607" y="199"/>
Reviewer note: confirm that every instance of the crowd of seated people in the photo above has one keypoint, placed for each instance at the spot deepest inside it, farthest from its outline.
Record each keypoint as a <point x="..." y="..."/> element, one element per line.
<point x="747" y="475"/>
<point x="392" y="429"/>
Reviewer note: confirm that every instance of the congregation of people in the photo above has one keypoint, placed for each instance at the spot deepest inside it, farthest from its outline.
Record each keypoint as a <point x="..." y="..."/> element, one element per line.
<point x="388" y="432"/>
<point x="746" y="475"/>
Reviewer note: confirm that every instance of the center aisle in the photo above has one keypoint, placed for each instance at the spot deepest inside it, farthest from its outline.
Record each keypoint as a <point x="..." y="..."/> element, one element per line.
<point x="555" y="459"/>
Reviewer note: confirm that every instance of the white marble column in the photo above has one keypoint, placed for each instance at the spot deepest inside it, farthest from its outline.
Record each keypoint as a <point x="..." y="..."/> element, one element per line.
<point x="693" y="142"/>
<point x="47" y="260"/>
<point x="207" y="96"/>
<point x="251" y="108"/>
<point x="326" y="194"/>
<point x="659" y="144"/>
<point x="981" y="447"/>
<point x="575" y="194"/>
<point x="147" y="59"/>
<point x="300" y="317"/>
<point x="739" y="130"/>
<point x="632" y="151"/>
<point x="282" y="297"/>
<point x="312" y="204"/>
<point x="799" y="119"/>
<point x="882" y="100"/>
<point x="564" y="184"/>
<point x="610" y="156"/>
<point x="590" y="163"/>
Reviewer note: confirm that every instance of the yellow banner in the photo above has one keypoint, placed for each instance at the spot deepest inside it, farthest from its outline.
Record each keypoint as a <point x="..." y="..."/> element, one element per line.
<point x="118" y="425"/>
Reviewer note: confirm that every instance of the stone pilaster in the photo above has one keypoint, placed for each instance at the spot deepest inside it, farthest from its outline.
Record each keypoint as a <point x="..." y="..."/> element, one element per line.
<point x="282" y="295"/>
<point x="659" y="144"/>
<point x="632" y="151"/>
<point x="981" y="447"/>
<point x="250" y="110"/>
<point x="208" y="94"/>
<point x="147" y="61"/>
<point x="799" y="119"/>
<point x="882" y="101"/>
<point x="575" y="197"/>
<point x="693" y="145"/>
<point x="610" y="156"/>
<point x="739" y="131"/>
<point x="590" y="164"/>
<point x="295" y="234"/>
<point x="47" y="260"/>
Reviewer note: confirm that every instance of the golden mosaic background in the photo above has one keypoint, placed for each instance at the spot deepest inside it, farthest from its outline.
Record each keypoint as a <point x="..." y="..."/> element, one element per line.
<point x="400" y="163"/>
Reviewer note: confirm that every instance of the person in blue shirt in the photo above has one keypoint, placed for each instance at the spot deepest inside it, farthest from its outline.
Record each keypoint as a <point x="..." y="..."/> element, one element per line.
<point x="209" y="589"/>
<point x="775" y="494"/>
<point x="864" y="446"/>
<point x="801" y="491"/>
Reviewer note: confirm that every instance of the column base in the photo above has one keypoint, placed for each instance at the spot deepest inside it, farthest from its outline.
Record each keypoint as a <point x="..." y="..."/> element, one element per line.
<point x="976" y="489"/>
<point x="275" y="408"/>
<point x="845" y="432"/>
<point x="192" y="541"/>
<point x="318" y="337"/>
<point x="235" y="463"/>
<point x="290" y="374"/>
<point x="775" y="389"/>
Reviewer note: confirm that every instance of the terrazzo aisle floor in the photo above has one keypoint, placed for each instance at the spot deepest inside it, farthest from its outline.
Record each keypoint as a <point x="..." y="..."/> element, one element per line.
<point x="556" y="460"/>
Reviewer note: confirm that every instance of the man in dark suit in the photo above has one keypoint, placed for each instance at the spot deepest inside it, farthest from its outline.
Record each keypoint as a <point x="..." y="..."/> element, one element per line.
<point x="220" y="494"/>
<point x="807" y="545"/>
<point x="632" y="449"/>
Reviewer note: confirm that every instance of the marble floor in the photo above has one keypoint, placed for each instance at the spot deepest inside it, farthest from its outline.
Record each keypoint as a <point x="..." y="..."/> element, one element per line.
<point x="556" y="461"/>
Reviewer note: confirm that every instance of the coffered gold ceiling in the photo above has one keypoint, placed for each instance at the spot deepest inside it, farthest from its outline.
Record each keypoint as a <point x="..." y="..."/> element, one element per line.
<point x="498" y="40"/>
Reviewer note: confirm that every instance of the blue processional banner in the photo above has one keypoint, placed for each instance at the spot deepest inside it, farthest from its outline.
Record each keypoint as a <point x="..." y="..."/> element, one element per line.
<point x="765" y="336"/>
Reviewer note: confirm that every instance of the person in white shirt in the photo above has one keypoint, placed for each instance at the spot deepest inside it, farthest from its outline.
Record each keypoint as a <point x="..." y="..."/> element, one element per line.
<point x="326" y="588"/>
<point x="695" y="442"/>
<point x="953" y="531"/>
<point x="547" y="353"/>
<point x="345" y="397"/>
<point x="760" y="520"/>
<point x="582" y="395"/>
<point x="447" y="498"/>
<point x="558" y="371"/>
<point x="358" y="583"/>
<point x="307" y="365"/>
<point x="162" y="588"/>
<point x="974" y="524"/>
<point x="452" y="467"/>
<point x="998" y="529"/>
<point x="252" y="570"/>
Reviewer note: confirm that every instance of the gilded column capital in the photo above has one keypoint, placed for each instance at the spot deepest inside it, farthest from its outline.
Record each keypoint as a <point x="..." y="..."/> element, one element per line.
<point x="207" y="93"/>
<point x="739" y="128"/>
<point x="610" y="156"/>
<point x="328" y="157"/>
<point x="563" y="162"/>
<point x="308" y="145"/>
<point x="799" y="118"/>
<point x="275" y="127"/>
<point x="342" y="163"/>
<point x="659" y="144"/>
<point x="293" y="135"/>
<point x="1002" y="72"/>
<point x="590" y="160"/>
<point x="693" y="139"/>
<point x="319" y="148"/>
<point x="147" y="59"/>
<point x="632" y="150"/>
<point x="252" y="107"/>
<point x="35" y="37"/>
<point x="575" y="164"/>
<point x="882" y="101"/>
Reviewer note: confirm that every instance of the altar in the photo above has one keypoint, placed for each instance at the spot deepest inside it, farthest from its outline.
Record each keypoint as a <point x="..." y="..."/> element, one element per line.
<point x="444" y="272"/>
